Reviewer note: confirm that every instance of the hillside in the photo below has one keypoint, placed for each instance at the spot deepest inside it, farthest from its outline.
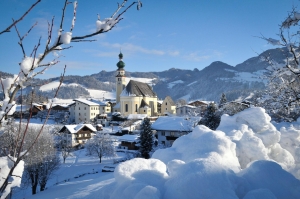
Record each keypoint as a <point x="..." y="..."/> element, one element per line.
<point x="207" y="84"/>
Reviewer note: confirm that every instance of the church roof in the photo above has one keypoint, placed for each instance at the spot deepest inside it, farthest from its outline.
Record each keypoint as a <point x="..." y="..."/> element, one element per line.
<point x="135" y="88"/>
<point x="143" y="104"/>
<point x="169" y="99"/>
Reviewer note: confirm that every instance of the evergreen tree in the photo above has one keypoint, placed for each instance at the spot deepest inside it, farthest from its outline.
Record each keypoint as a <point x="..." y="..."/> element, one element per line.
<point x="211" y="118"/>
<point x="223" y="100"/>
<point x="146" y="139"/>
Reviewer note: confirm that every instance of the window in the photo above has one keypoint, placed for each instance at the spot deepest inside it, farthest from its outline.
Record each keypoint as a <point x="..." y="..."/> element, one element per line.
<point x="163" y="133"/>
<point x="103" y="108"/>
<point x="166" y="103"/>
<point x="126" y="107"/>
<point x="136" y="108"/>
<point x="166" y="109"/>
<point x="163" y="142"/>
<point x="172" y="134"/>
<point x="144" y="111"/>
<point x="107" y="109"/>
<point x="78" y="108"/>
<point x="84" y="108"/>
<point x="79" y="113"/>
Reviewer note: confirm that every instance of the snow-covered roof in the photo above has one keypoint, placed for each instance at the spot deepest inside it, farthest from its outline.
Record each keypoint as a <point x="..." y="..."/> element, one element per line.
<point x="165" y="123"/>
<point x="87" y="102"/>
<point x="74" y="128"/>
<point x="117" y="105"/>
<point x="136" y="116"/>
<point x="23" y="107"/>
<point x="61" y="101"/>
<point x="61" y="105"/>
<point x="101" y="103"/>
<point x="129" y="138"/>
<point x="135" y="88"/>
<point x="36" y="104"/>
<point x="188" y="106"/>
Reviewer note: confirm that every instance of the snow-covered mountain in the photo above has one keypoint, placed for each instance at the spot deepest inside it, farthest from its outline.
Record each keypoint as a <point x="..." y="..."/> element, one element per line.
<point x="207" y="84"/>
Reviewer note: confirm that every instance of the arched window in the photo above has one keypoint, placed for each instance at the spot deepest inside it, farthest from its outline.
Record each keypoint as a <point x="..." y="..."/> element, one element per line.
<point x="136" y="108"/>
<point x="126" y="107"/>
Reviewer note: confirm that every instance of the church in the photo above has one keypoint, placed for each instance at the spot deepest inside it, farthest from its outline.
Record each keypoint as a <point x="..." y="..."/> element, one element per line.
<point x="134" y="97"/>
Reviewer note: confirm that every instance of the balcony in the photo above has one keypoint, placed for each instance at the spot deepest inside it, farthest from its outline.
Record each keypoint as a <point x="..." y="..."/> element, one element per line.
<point x="171" y="138"/>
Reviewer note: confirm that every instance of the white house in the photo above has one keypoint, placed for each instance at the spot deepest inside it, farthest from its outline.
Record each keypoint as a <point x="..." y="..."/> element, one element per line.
<point x="168" y="129"/>
<point x="185" y="110"/>
<point x="85" y="110"/>
<point x="168" y="106"/>
<point x="77" y="134"/>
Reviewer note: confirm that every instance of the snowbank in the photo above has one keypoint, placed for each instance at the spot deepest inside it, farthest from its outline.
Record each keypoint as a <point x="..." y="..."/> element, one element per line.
<point x="246" y="157"/>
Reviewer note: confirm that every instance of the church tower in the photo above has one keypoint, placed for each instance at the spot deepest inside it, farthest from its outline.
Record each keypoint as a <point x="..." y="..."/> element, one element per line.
<point x="120" y="77"/>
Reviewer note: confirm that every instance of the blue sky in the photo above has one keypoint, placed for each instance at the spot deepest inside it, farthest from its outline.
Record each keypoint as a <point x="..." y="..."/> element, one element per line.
<point x="164" y="34"/>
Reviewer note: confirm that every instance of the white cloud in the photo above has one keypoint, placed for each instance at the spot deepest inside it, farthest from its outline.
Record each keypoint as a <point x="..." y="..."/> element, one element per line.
<point x="174" y="53"/>
<point x="197" y="56"/>
<point x="131" y="48"/>
<point x="194" y="56"/>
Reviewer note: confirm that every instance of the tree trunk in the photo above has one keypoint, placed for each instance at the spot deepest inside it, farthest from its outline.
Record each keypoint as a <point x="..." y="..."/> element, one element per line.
<point x="34" y="182"/>
<point x="100" y="158"/>
<point x="43" y="185"/>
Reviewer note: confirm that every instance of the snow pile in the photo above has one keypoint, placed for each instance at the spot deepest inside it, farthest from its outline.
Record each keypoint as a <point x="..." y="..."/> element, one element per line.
<point x="28" y="64"/>
<point x="105" y="25"/>
<point x="15" y="180"/>
<point x="65" y="38"/>
<point x="245" y="158"/>
<point x="137" y="179"/>
<point x="256" y="138"/>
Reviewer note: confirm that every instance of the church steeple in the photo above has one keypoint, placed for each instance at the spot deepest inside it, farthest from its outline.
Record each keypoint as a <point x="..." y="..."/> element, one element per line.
<point x="120" y="64"/>
<point x="120" y="77"/>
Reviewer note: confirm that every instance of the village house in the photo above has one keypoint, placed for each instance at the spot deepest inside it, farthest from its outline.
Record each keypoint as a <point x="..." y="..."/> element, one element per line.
<point x="85" y="110"/>
<point x="185" y="110"/>
<point x="129" y="142"/>
<point x="168" y="107"/>
<point x="168" y="129"/>
<point x="77" y="134"/>
<point x="201" y="105"/>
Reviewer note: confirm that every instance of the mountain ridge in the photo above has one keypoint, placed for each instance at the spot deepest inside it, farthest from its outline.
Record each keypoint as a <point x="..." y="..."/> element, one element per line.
<point x="206" y="84"/>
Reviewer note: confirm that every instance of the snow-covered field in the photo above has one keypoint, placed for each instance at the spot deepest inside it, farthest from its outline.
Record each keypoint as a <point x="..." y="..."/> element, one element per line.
<point x="94" y="93"/>
<point x="172" y="84"/>
<point x="247" y="157"/>
<point x="80" y="177"/>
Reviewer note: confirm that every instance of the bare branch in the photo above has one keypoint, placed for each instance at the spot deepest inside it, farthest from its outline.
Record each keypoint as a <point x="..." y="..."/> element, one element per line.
<point x="20" y="19"/>
<point x="48" y="113"/>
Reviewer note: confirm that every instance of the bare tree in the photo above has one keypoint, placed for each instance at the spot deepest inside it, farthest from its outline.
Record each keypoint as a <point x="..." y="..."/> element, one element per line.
<point x="282" y="98"/>
<point x="64" y="146"/>
<point x="101" y="145"/>
<point x="32" y="65"/>
<point x="41" y="161"/>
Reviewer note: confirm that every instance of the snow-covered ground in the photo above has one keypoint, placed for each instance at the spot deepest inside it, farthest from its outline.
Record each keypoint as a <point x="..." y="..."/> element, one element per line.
<point x="172" y="84"/>
<point x="80" y="177"/>
<point x="246" y="76"/>
<point x="100" y="94"/>
<point x="247" y="157"/>
<point x="94" y="93"/>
